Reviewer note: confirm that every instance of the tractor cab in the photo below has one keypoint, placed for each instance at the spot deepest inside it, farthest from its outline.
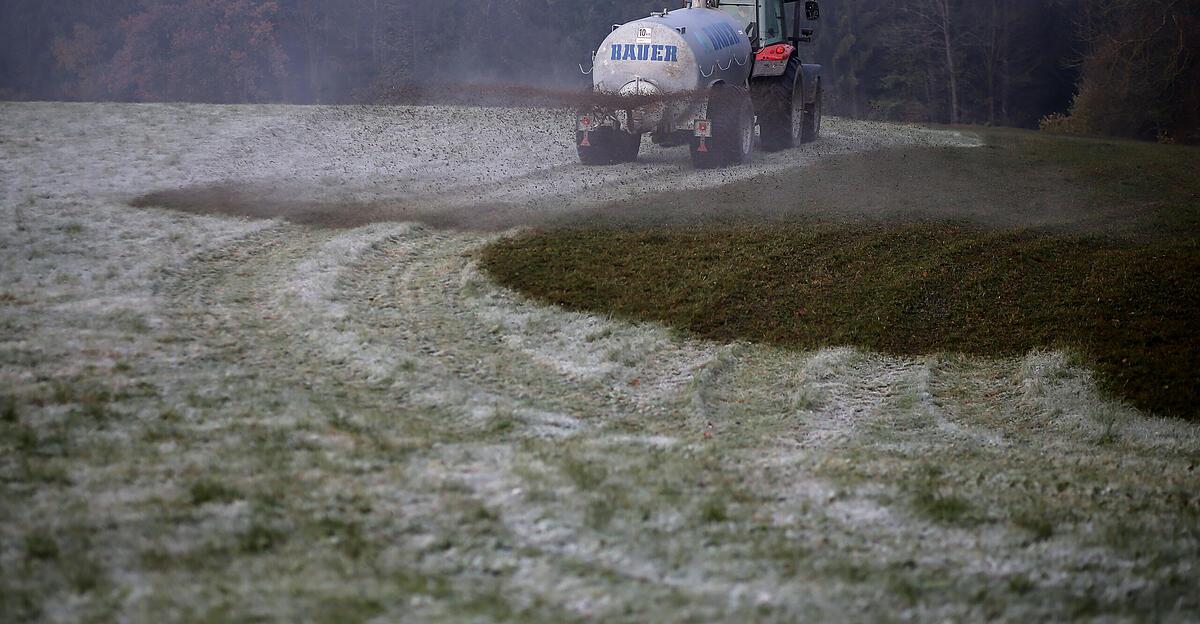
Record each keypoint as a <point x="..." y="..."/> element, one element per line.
<point x="771" y="22"/>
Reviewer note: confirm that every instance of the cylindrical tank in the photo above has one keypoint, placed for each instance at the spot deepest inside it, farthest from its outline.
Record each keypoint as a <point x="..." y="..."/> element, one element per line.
<point x="676" y="52"/>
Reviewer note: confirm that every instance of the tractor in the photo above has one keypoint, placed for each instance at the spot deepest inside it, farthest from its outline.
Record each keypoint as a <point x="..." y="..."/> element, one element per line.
<point x="706" y="76"/>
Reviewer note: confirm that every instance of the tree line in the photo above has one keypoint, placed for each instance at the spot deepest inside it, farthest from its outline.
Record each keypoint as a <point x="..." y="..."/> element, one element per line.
<point x="1124" y="67"/>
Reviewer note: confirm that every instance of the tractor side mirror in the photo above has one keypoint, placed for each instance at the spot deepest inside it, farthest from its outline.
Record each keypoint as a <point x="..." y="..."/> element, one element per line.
<point x="812" y="10"/>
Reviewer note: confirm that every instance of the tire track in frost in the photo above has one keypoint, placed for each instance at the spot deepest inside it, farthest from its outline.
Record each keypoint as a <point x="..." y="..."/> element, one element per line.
<point x="458" y="347"/>
<point x="388" y="316"/>
<point x="396" y="320"/>
<point x="402" y="313"/>
<point x="436" y="305"/>
<point x="407" y="291"/>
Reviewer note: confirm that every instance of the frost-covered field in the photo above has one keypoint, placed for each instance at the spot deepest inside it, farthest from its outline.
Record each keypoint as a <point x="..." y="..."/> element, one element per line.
<point x="213" y="418"/>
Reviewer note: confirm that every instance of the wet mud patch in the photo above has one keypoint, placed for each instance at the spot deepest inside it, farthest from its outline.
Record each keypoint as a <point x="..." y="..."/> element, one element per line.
<point x="296" y="205"/>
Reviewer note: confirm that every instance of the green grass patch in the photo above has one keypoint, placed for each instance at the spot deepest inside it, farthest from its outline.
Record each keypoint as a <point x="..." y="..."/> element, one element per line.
<point x="8" y="410"/>
<point x="207" y="491"/>
<point x="939" y="507"/>
<point x="933" y="497"/>
<point x="260" y="537"/>
<point x="586" y="475"/>
<point x="40" y="545"/>
<point x="1039" y="526"/>
<point x="714" y="509"/>
<point x="1031" y="242"/>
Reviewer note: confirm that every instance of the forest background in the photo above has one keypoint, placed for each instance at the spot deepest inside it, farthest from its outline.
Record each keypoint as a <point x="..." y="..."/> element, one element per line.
<point x="1114" y="67"/>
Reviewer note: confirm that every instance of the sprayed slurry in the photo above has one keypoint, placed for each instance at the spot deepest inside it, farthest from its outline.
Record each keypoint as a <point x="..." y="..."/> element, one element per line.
<point x="398" y="436"/>
<point x="473" y="169"/>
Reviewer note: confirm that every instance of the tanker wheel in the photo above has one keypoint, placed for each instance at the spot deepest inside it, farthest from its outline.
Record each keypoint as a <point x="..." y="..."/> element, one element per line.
<point x="629" y="145"/>
<point x="783" y="120"/>
<point x="597" y="147"/>
<point x="732" y="143"/>
<point x="813" y="114"/>
<point x="607" y="146"/>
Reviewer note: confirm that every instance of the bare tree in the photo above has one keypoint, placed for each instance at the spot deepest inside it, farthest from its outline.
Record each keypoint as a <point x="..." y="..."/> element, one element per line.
<point x="1142" y="68"/>
<point x="935" y="25"/>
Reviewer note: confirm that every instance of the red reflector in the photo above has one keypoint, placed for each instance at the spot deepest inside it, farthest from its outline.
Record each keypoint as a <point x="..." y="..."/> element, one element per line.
<point x="780" y="52"/>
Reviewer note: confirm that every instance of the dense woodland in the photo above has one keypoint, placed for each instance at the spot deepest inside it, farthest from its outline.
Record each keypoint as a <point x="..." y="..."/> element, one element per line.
<point x="1124" y="67"/>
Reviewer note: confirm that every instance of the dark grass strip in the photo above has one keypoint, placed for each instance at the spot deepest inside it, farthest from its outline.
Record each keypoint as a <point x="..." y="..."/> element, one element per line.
<point x="1129" y="308"/>
<point x="1122" y="293"/>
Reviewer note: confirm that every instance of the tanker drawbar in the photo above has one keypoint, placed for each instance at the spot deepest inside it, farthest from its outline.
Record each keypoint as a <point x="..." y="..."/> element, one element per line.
<point x="687" y="77"/>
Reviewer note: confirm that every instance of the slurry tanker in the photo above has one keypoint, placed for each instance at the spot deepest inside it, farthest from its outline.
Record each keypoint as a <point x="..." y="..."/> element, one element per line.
<point x="704" y="76"/>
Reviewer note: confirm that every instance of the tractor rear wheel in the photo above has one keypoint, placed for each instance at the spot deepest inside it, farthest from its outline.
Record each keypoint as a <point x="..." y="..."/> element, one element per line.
<point x="629" y="146"/>
<point x="813" y="114"/>
<point x="731" y="113"/>
<point x="782" y="118"/>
